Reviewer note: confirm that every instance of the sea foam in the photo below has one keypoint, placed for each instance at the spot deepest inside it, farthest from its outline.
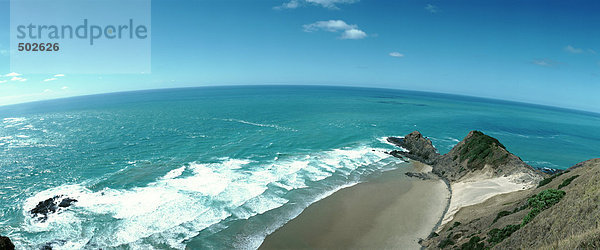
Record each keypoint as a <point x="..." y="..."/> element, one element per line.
<point x="186" y="200"/>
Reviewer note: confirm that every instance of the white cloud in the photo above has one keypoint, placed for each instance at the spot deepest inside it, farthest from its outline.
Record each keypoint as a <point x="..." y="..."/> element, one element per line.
<point x="330" y="4"/>
<point x="573" y="50"/>
<point x="331" y="26"/>
<point x="545" y="62"/>
<point x="289" y="5"/>
<point x="64" y="88"/>
<point x="50" y="79"/>
<point x="591" y="51"/>
<point x="59" y="75"/>
<point x="396" y="54"/>
<point x="3" y="81"/>
<point x="353" y="34"/>
<point x="20" y="79"/>
<point x="47" y="90"/>
<point x="432" y="8"/>
<point x="12" y="74"/>
<point x="349" y="31"/>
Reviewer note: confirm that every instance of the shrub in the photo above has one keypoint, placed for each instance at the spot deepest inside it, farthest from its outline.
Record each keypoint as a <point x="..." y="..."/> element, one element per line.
<point x="446" y="242"/>
<point x="498" y="235"/>
<point x="517" y="209"/>
<point x="473" y="244"/>
<point x="534" y="212"/>
<point x="456" y="224"/>
<point x="500" y="215"/>
<point x="546" y="199"/>
<point x="567" y="181"/>
<point x="549" y="179"/>
<point x="541" y="202"/>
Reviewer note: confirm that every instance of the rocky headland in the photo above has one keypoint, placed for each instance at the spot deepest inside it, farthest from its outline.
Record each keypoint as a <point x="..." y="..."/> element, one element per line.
<point x="476" y="154"/>
<point x="498" y="201"/>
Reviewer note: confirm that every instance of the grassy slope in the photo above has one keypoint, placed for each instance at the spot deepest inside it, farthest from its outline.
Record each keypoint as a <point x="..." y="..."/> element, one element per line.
<point x="572" y="222"/>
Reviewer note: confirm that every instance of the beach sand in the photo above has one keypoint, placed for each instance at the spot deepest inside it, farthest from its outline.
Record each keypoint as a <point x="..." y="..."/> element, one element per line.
<point x="478" y="189"/>
<point x="389" y="211"/>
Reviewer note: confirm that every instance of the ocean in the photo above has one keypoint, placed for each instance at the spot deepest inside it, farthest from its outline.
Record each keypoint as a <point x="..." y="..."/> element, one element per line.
<point x="222" y="167"/>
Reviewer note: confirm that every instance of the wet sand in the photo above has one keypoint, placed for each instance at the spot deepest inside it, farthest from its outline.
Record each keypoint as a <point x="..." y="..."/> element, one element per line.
<point x="391" y="211"/>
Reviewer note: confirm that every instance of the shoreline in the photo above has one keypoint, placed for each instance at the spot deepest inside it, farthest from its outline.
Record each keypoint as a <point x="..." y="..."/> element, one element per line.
<point x="389" y="211"/>
<point x="440" y="224"/>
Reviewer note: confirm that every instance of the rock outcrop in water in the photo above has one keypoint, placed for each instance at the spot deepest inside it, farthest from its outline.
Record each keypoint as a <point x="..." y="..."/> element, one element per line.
<point x="418" y="148"/>
<point x="51" y="205"/>
<point x="6" y="244"/>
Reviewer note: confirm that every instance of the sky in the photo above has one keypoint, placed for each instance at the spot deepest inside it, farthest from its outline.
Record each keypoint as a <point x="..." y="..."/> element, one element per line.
<point x="543" y="52"/>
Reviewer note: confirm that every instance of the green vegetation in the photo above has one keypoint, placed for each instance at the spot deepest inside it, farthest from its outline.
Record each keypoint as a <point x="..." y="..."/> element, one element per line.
<point x="549" y="179"/>
<point x="456" y="224"/>
<point x="517" y="209"/>
<point x="567" y="181"/>
<point x="534" y="212"/>
<point x="446" y="242"/>
<point x="498" y="235"/>
<point x="500" y="215"/>
<point x="541" y="202"/>
<point x="478" y="148"/>
<point x="473" y="244"/>
<point x="537" y="203"/>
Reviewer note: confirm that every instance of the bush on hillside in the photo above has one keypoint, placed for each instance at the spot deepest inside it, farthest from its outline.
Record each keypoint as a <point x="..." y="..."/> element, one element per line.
<point x="446" y="242"/>
<point x="498" y="235"/>
<point x="549" y="179"/>
<point x="500" y="215"/>
<point x="473" y="244"/>
<point x="541" y="202"/>
<point x="567" y="181"/>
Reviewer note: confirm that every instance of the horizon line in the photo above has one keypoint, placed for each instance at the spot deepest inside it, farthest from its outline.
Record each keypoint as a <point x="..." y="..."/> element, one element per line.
<point x="546" y="106"/>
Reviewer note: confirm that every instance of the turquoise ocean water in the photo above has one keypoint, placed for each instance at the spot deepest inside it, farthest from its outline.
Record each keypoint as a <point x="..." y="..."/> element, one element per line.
<point x="222" y="167"/>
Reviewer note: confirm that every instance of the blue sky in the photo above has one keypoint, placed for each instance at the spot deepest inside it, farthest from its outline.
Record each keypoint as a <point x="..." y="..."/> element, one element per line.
<point x="543" y="52"/>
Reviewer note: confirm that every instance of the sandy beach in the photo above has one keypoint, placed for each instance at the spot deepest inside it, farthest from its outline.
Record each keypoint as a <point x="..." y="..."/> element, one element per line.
<point x="388" y="211"/>
<point x="479" y="188"/>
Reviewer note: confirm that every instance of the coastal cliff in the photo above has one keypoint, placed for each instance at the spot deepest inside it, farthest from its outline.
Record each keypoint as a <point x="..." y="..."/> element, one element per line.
<point x="532" y="210"/>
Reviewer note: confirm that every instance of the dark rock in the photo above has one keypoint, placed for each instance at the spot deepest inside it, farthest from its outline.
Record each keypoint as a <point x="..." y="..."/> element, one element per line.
<point x="6" y="244"/>
<point x="419" y="148"/>
<point x="51" y="205"/>
<point x="48" y="245"/>
<point x="422" y="176"/>
<point x="66" y="202"/>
